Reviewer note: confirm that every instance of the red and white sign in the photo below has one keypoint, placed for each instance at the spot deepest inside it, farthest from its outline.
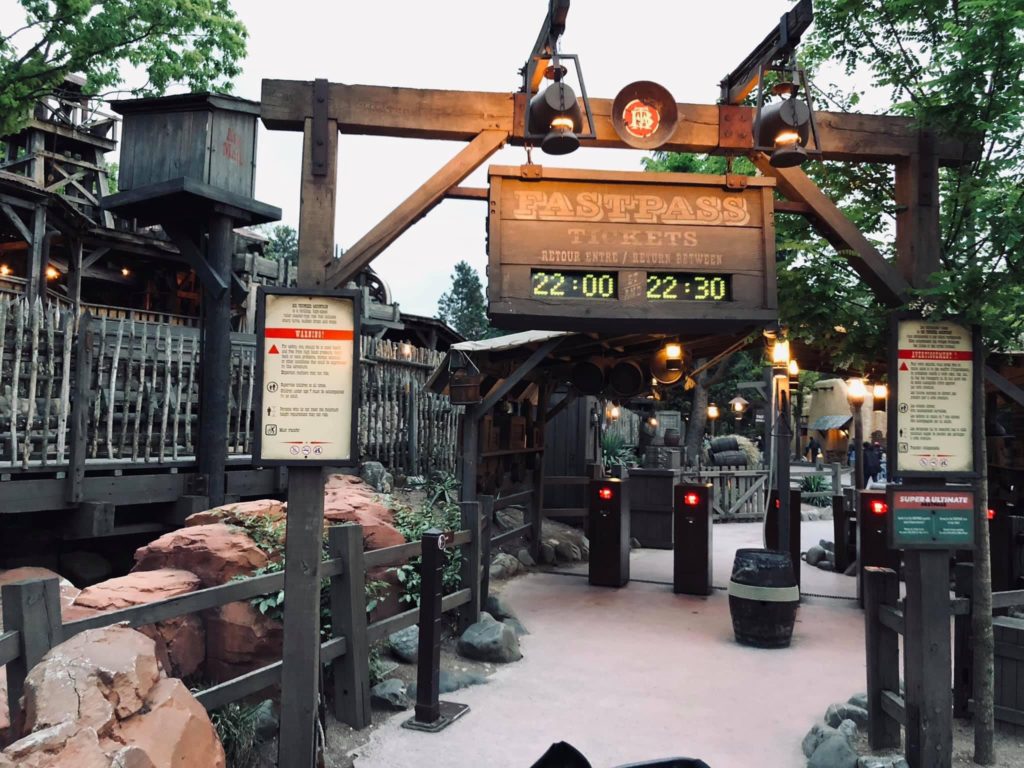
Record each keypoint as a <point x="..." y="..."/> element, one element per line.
<point x="307" y="385"/>
<point x="934" y="388"/>
<point x="640" y="119"/>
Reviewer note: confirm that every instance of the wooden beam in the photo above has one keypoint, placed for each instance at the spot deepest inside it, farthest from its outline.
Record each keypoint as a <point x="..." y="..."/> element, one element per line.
<point x="461" y="116"/>
<point x="788" y="206"/>
<point x="865" y="259"/>
<point x="918" y="242"/>
<point x="516" y="376"/>
<point x="317" y="209"/>
<point x="1004" y="385"/>
<point x="467" y="193"/>
<point x="417" y="205"/>
<point x="17" y="222"/>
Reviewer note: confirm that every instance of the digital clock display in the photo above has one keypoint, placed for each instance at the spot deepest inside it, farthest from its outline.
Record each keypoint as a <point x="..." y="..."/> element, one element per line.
<point x="574" y="285"/>
<point x="688" y="286"/>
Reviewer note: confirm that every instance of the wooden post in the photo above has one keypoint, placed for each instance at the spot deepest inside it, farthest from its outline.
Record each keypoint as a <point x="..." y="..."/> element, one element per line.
<point x="75" y="275"/>
<point x="470" y="612"/>
<point x="413" y="420"/>
<point x="486" y="519"/>
<point x="840" y="526"/>
<point x="300" y="676"/>
<point x="215" y="364"/>
<point x="428" y="663"/>
<point x="32" y="609"/>
<point x="348" y="620"/>
<point x="80" y="407"/>
<point x="470" y="448"/>
<point x="963" y="655"/>
<point x="782" y="447"/>
<point x="537" y="498"/>
<point x="36" y="273"/>
<point x="927" y="660"/>
<point x="881" y="588"/>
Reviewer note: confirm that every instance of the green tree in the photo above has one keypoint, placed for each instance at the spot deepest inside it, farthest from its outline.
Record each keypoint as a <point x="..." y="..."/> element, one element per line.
<point x="463" y="307"/>
<point x="283" y="243"/>
<point x="198" y="43"/>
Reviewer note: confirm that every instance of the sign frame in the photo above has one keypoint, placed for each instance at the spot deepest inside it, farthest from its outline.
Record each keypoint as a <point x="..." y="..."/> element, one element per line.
<point x="356" y="297"/>
<point x="892" y="406"/>
<point x="682" y="237"/>
<point x="892" y="535"/>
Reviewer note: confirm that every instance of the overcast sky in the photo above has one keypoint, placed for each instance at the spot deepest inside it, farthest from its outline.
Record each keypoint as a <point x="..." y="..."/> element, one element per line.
<point x="686" y="46"/>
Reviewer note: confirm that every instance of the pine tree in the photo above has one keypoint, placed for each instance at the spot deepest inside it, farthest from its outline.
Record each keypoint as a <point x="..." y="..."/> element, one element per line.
<point x="463" y="307"/>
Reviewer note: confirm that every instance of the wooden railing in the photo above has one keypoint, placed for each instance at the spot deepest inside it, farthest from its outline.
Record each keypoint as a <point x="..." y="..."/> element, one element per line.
<point x="32" y="618"/>
<point x="740" y="493"/>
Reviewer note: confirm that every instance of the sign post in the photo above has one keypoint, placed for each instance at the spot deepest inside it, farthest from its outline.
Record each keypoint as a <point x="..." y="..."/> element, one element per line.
<point x="308" y="375"/>
<point x="934" y="439"/>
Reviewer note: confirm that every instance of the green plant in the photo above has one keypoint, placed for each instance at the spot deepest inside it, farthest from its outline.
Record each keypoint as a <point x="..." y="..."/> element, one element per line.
<point x="615" y="452"/>
<point x="379" y="667"/>
<point x="816" y="484"/>
<point x="237" y="727"/>
<point x="442" y="488"/>
<point x="438" y="511"/>
<point x="375" y="590"/>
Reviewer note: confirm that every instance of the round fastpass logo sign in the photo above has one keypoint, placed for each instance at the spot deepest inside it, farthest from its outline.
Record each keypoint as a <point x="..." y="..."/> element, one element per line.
<point x="640" y="119"/>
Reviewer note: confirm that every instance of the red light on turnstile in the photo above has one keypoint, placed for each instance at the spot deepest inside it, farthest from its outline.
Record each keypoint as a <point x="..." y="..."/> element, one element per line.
<point x="778" y="503"/>
<point x="606" y="493"/>
<point x="991" y="514"/>
<point x="691" y="499"/>
<point x="879" y="507"/>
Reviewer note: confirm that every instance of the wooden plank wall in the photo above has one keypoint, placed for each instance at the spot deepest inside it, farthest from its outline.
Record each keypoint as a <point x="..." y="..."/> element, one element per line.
<point x="569" y="448"/>
<point x="398" y="412"/>
<point x="143" y="404"/>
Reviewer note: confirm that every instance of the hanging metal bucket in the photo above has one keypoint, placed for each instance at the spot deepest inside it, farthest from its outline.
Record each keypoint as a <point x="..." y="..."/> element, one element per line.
<point x="464" y="388"/>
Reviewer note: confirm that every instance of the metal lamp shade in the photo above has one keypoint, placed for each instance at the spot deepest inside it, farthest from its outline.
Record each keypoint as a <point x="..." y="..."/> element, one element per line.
<point x="781" y="118"/>
<point x="556" y="113"/>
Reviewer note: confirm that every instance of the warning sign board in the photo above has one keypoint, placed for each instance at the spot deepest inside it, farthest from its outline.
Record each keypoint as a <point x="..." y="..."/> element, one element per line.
<point x="933" y="399"/>
<point x="932" y="519"/>
<point x="307" y="374"/>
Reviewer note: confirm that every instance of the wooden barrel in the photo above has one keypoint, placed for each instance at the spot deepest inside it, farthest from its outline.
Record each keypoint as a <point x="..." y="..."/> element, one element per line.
<point x="587" y="377"/>
<point x="729" y="459"/>
<point x="725" y="443"/>
<point x="626" y="379"/>
<point x="763" y="598"/>
<point x="464" y="388"/>
<point x="672" y="436"/>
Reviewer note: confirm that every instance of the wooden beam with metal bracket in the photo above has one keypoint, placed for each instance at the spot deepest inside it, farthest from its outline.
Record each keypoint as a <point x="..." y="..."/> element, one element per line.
<point x="461" y="115"/>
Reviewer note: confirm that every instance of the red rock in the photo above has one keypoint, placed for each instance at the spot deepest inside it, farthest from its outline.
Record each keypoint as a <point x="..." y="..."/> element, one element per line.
<point x="342" y="505"/>
<point x="216" y="553"/>
<point x="175" y="730"/>
<point x="239" y="513"/>
<point x="100" y="701"/>
<point x="240" y="639"/>
<point x="183" y="636"/>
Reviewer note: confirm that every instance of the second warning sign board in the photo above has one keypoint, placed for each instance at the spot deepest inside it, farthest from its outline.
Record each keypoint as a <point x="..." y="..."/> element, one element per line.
<point x="932" y="419"/>
<point x="307" y="374"/>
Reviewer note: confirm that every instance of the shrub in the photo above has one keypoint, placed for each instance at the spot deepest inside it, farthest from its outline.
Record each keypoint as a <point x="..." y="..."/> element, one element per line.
<point x="237" y="727"/>
<point x="816" y="484"/>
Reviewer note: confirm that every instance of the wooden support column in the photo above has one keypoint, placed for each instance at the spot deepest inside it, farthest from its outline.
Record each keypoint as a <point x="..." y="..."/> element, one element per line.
<point x="927" y="660"/>
<point x="348" y="613"/>
<point x="215" y="363"/>
<point x="881" y="590"/>
<point x="918" y="243"/>
<point x="75" y="274"/>
<point x="300" y="679"/>
<point x="36" y="272"/>
<point x="471" y="560"/>
<point x="470" y="452"/>
<point x="537" y="499"/>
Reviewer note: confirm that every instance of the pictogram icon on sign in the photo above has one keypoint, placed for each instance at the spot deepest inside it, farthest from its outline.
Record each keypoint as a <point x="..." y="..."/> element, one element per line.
<point x="274" y="350"/>
<point x="640" y="119"/>
<point x="270" y="430"/>
<point x="271" y="386"/>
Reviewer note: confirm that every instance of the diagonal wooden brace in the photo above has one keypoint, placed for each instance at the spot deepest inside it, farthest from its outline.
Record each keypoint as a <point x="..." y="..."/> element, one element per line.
<point x="416" y="206"/>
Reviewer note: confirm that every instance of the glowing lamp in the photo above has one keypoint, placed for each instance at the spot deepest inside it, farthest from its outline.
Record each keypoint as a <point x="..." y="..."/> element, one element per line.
<point x="794" y="369"/>
<point x="879" y="507"/>
<point x="713" y="412"/>
<point x="780" y="353"/>
<point x="856" y="392"/>
<point x="556" y="113"/>
<point x="125" y="272"/>
<point x="674" y="356"/>
<point x="605" y="494"/>
<point x="5" y="270"/>
<point x="691" y="499"/>
<point x="52" y="273"/>
<point x="991" y="514"/>
<point x="614" y="413"/>
<point x="652" y="421"/>
<point x="880" y="392"/>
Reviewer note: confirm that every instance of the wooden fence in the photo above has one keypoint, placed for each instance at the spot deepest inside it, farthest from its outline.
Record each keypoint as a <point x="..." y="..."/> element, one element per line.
<point x="885" y="623"/>
<point x="401" y="424"/>
<point x="121" y="390"/>
<point x="33" y="624"/>
<point x="740" y="493"/>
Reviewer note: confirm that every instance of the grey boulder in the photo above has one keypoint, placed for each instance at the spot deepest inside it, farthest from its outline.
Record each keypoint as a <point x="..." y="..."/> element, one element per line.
<point x="377" y="477"/>
<point x="568" y="552"/>
<point x="836" y="713"/>
<point x="547" y="554"/>
<point x="815" y="736"/>
<point x="498" y="608"/>
<point x="525" y="558"/>
<point x="490" y="640"/>
<point x="815" y="555"/>
<point x="405" y="644"/>
<point x="390" y="694"/>
<point x="834" y="751"/>
<point x="858" y="700"/>
<point x="451" y="681"/>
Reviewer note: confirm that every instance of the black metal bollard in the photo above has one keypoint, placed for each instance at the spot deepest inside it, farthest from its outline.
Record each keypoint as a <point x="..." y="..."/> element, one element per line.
<point x="432" y="714"/>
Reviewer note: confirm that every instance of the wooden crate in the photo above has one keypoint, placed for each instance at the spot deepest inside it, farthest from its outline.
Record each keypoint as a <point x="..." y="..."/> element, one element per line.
<point x="1009" y="673"/>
